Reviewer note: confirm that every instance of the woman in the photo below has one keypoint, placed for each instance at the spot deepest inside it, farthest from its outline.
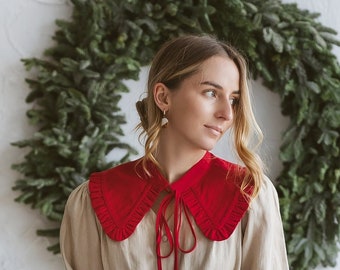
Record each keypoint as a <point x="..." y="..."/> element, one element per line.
<point x="179" y="206"/>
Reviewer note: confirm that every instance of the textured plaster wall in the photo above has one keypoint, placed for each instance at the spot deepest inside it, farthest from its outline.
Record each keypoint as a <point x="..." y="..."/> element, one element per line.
<point x="26" y="27"/>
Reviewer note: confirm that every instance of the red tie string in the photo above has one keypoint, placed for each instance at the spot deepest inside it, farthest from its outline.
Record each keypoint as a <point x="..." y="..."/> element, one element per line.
<point x="163" y="226"/>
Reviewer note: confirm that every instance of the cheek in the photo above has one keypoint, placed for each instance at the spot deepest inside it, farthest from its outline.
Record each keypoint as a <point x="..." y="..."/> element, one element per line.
<point x="193" y="110"/>
<point x="182" y="104"/>
<point x="180" y="116"/>
<point x="188" y="107"/>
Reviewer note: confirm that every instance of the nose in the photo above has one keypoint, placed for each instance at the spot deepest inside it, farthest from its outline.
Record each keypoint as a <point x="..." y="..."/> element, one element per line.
<point x="225" y="110"/>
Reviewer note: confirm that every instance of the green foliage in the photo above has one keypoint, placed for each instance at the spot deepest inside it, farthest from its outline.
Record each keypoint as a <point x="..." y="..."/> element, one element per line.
<point x="77" y="89"/>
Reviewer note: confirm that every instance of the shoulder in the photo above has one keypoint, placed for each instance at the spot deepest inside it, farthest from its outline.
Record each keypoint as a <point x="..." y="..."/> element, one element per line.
<point x="267" y="200"/>
<point x="264" y="209"/>
<point x="267" y="190"/>
<point x="80" y="193"/>
<point x="78" y="201"/>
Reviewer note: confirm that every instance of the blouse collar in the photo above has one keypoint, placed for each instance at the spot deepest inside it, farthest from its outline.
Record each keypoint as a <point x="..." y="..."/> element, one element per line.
<point x="210" y="191"/>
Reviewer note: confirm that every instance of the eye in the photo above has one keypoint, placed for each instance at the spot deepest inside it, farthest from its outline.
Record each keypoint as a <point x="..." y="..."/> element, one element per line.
<point x="210" y="93"/>
<point x="234" y="101"/>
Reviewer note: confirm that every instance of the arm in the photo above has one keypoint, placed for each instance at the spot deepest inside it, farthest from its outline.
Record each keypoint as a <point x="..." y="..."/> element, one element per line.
<point x="79" y="232"/>
<point x="263" y="238"/>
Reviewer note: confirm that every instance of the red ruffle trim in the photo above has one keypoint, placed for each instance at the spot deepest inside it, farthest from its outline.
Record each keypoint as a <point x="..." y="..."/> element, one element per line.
<point x="212" y="228"/>
<point x="113" y="226"/>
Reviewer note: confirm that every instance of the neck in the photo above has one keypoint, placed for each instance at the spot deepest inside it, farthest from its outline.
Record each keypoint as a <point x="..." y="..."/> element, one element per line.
<point x="175" y="161"/>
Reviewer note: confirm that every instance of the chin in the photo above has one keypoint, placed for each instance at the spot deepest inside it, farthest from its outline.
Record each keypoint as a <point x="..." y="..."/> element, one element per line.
<point x="208" y="147"/>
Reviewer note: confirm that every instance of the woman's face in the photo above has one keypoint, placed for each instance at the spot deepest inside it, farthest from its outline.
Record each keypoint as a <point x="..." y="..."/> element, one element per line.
<point x="201" y="109"/>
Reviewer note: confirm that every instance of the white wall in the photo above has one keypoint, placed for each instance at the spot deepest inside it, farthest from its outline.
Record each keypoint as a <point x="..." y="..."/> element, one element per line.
<point x="26" y="27"/>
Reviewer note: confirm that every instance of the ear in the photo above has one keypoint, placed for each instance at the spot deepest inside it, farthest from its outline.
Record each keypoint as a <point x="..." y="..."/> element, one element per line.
<point x="161" y="95"/>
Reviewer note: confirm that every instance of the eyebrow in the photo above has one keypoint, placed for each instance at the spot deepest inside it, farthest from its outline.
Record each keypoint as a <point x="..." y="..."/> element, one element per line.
<point x="218" y="86"/>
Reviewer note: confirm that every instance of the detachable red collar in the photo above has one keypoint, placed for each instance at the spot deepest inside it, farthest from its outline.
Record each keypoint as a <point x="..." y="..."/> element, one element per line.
<point x="121" y="196"/>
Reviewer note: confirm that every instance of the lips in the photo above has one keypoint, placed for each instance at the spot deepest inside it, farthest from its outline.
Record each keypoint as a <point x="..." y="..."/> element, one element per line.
<point x="215" y="129"/>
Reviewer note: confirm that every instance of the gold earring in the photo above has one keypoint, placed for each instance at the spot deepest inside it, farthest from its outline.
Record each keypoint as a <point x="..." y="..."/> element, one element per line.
<point x="165" y="120"/>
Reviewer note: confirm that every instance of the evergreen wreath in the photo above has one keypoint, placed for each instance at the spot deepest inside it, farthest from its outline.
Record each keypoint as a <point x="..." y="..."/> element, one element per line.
<point x="78" y="85"/>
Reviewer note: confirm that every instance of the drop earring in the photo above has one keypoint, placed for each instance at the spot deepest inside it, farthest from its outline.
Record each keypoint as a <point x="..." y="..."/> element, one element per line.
<point x="165" y="120"/>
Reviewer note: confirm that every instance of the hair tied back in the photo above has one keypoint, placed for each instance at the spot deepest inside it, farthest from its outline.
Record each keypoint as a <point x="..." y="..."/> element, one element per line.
<point x="142" y="109"/>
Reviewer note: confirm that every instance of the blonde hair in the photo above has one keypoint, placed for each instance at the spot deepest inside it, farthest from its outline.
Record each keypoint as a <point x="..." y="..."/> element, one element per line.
<point x="179" y="59"/>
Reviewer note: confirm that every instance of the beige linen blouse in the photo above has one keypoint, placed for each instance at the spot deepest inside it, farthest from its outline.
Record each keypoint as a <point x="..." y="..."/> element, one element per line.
<point x="256" y="244"/>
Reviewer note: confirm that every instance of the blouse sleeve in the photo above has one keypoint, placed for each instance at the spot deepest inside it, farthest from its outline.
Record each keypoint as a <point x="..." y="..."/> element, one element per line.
<point x="79" y="232"/>
<point x="263" y="238"/>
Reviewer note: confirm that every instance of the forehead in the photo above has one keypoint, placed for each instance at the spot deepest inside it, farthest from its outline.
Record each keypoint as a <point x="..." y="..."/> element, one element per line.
<point x="221" y="70"/>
